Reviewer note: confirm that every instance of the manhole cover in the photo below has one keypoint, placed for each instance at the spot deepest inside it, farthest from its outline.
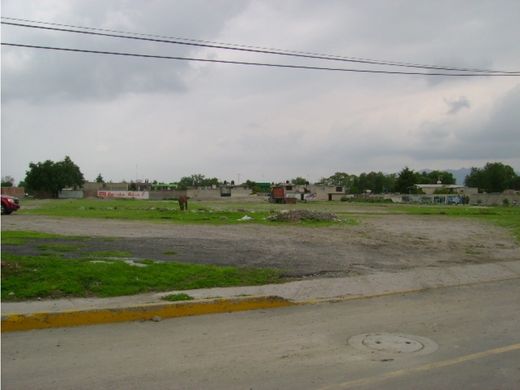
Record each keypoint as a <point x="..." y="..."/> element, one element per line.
<point x="392" y="343"/>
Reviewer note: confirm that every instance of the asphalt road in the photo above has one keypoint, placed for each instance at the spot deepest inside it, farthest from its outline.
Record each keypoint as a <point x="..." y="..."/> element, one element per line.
<point x="474" y="332"/>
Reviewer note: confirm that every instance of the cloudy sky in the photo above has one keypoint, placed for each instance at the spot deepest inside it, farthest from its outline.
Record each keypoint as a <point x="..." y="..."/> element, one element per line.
<point x="128" y="117"/>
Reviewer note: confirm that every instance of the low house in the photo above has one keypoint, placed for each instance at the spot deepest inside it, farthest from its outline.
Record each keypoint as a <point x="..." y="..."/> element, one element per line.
<point x="311" y="192"/>
<point x="225" y="191"/>
<point x="439" y="188"/>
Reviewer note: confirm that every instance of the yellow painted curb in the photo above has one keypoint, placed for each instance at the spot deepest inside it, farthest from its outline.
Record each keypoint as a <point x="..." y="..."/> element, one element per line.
<point x="18" y="322"/>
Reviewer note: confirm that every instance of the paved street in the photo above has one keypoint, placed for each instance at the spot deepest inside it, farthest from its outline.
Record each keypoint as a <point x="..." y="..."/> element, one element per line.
<point x="474" y="332"/>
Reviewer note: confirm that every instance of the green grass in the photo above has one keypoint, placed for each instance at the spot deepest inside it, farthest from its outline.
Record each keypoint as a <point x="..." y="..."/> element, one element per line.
<point x="21" y="237"/>
<point x="215" y="213"/>
<point x="30" y="277"/>
<point x="177" y="297"/>
<point x="507" y="217"/>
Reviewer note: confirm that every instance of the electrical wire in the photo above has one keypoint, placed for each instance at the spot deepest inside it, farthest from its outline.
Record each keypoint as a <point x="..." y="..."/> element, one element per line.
<point x="258" y="63"/>
<point x="235" y="47"/>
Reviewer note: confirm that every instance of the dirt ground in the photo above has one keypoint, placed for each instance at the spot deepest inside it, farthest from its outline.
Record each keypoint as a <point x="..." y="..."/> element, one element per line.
<point x="378" y="243"/>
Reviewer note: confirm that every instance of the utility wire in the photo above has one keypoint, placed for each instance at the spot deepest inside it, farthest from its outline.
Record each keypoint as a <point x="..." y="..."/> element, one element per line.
<point x="258" y="63"/>
<point x="242" y="48"/>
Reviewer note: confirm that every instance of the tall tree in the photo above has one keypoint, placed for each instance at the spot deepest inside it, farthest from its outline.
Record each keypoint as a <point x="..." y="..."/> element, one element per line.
<point x="340" y="179"/>
<point x="196" y="180"/>
<point x="406" y="181"/>
<point x="435" y="176"/>
<point x="52" y="177"/>
<point x="7" y="181"/>
<point x="494" y="177"/>
<point x="299" y="181"/>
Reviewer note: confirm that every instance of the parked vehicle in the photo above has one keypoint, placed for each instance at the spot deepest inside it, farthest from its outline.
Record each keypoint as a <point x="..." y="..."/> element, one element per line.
<point x="9" y="204"/>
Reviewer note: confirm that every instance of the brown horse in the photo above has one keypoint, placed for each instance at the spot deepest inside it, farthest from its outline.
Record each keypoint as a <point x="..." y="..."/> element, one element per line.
<point x="183" y="202"/>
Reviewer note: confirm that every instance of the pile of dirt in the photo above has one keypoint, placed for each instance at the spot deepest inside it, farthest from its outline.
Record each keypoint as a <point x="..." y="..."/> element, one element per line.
<point x="302" y="215"/>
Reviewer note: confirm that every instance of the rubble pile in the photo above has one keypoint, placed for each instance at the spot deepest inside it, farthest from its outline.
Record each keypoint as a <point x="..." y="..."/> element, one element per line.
<point x="302" y="215"/>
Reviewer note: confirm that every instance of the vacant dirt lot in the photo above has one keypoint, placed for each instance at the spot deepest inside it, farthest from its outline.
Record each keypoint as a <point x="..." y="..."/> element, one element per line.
<point x="383" y="242"/>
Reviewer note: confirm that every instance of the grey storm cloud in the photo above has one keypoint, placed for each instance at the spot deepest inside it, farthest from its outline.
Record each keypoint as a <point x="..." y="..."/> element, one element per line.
<point x="174" y="118"/>
<point x="64" y="75"/>
<point x="457" y="104"/>
<point x="496" y="138"/>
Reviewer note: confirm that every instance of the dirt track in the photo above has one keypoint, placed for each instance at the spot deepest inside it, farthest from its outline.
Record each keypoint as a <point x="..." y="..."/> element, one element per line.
<point x="388" y="242"/>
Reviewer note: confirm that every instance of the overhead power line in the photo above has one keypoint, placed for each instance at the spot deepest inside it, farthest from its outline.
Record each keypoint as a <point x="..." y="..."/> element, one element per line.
<point x="227" y="46"/>
<point x="290" y="66"/>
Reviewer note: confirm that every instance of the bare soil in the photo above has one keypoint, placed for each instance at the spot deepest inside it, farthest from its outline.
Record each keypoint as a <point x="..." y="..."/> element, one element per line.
<point x="378" y="243"/>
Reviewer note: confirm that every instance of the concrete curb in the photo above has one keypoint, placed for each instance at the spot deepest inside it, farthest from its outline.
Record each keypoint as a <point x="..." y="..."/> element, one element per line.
<point x="75" y="312"/>
<point x="20" y="322"/>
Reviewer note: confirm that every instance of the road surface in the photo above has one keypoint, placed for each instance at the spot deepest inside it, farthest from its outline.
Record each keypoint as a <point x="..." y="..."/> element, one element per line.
<point x="473" y="334"/>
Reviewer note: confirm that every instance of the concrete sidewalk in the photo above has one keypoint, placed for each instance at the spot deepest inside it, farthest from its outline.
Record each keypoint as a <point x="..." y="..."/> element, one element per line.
<point x="85" y="311"/>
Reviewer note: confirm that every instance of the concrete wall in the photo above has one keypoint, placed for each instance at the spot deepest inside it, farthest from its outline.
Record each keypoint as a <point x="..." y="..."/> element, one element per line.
<point x="434" y="199"/>
<point x="203" y="193"/>
<point x="429" y="189"/>
<point x="18" y="192"/>
<point x="166" y="194"/>
<point x="513" y="199"/>
<point x="123" y="194"/>
<point x="93" y="186"/>
<point x="241" y="192"/>
<point x="70" y="194"/>
<point x="215" y="193"/>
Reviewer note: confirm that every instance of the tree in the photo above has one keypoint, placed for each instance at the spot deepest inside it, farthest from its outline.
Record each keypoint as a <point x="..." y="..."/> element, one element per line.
<point x="406" y="181"/>
<point x="7" y="181"/>
<point x="52" y="177"/>
<point x="434" y="176"/>
<point x="299" y="181"/>
<point x="196" y="180"/>
<point x="99" y="179"/>
<point x="375" y="182"/>
<point x="494" y="177"/>
<point x="255" y="188"/>
<point x="341" y="179"/>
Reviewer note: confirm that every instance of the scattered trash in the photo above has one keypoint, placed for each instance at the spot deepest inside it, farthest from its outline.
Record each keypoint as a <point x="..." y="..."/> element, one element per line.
<point x="156" y="319"/>
<point x="245" y="218"/>
<point x="135" y="263"/>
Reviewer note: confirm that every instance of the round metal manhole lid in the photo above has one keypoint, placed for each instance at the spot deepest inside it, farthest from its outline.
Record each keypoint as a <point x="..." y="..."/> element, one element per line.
<point x="392" y="343"/>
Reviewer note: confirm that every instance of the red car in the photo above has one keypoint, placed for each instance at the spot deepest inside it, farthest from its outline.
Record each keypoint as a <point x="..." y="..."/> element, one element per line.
<point x="9" y="204"/>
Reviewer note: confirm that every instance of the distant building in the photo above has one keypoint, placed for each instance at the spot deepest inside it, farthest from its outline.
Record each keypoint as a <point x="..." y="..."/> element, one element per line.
<point x="430" y="189"/>
<point x="311" y="192"/>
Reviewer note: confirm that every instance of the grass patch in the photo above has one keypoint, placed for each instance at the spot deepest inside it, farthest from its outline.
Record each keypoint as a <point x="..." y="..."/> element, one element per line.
<point x="215" y="213"/>
<point x="177" y="297"/>
<point x="29" y="277"/>
<point x="507" y="217"/>
<point x="21" y="237"/>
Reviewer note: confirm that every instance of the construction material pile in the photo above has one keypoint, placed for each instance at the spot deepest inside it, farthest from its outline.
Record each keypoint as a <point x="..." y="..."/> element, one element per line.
<point x="302" y="215"/>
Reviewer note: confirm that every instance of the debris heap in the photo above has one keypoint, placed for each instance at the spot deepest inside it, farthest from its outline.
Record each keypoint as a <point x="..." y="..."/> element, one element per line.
<point x="302" y="215"/>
